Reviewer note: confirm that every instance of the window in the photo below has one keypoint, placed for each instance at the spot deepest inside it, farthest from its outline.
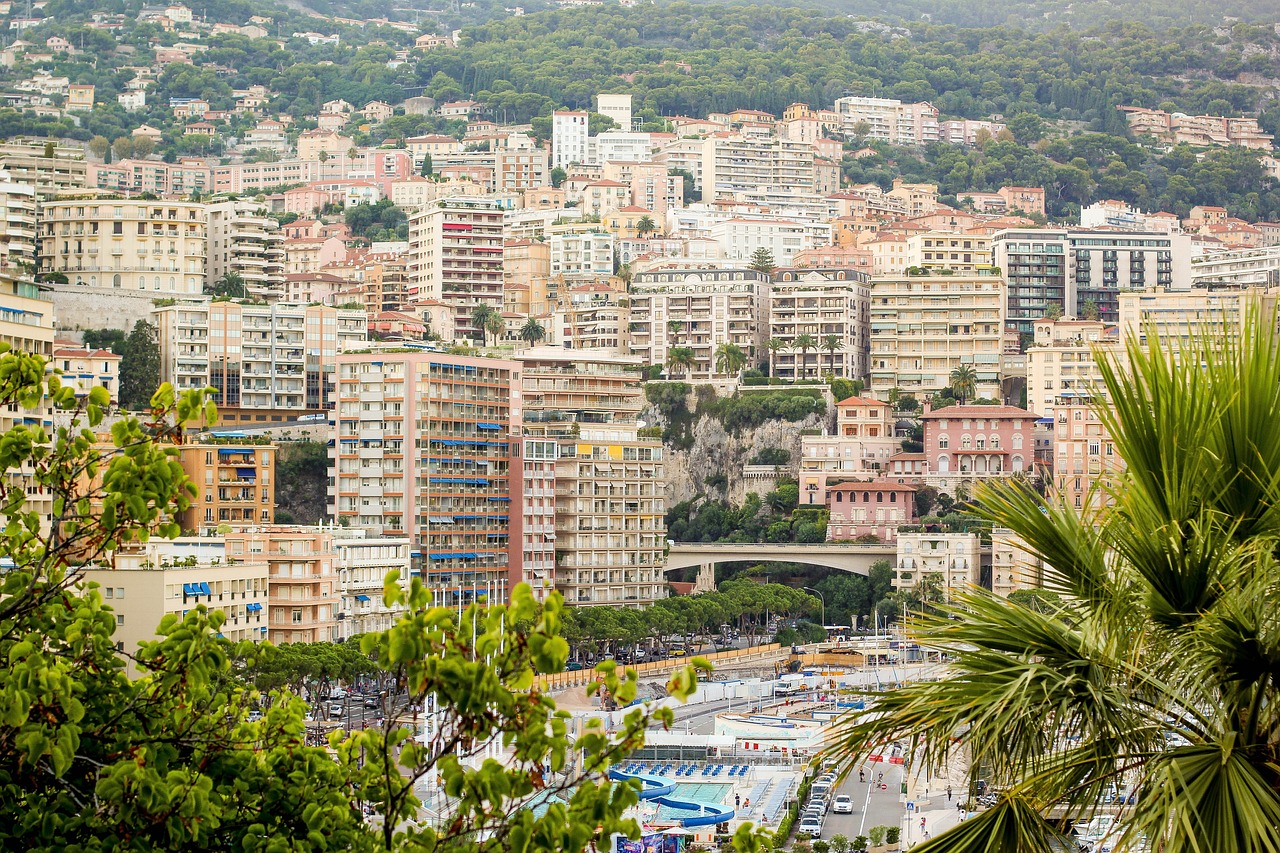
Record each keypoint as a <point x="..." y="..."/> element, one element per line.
<point x="119" y="592"/>
<point x="119" y="618"/>
<point x="944" y="441"/>
<point x="297" y="614"/>
<point x="106" y="592"/>
<point x="995" y="442"/>
<point x="965" y="442"/>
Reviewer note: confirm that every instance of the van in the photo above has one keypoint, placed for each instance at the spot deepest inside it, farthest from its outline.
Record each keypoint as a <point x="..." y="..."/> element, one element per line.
<point x="820" y="791"/>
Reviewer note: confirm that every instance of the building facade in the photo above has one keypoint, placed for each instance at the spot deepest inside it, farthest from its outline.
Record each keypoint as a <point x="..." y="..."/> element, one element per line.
<point x="869" y="508"/>
<point x="863" y="443"/>
<point x="246" y="244"/>
<point x="456" y="256"/>
<point x="965" y="443"/>
<point x="956" y="558"/>
<point x="235" y="484"/>
<point x="302" y="579"/>
<point x="822" y="304"/>
<point x="363" y="564"/>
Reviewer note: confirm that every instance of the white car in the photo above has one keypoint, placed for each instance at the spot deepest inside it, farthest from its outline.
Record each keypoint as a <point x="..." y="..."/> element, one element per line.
<point x="843" y="804"/>
<point x="810" y="826"/>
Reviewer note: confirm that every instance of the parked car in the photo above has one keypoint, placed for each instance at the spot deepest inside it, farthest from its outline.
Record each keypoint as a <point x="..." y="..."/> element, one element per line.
<point x="572" y="666"/>
<point x="255" y="715"/>
<point x="843" y="804"/>
<point x="336" y="710"/>
<point x="337" y="693"/>
<point x="810" y="826"/>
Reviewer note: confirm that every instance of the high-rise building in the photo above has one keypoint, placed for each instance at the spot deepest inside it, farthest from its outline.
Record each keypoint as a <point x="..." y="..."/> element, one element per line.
<point x="955" y="557"/>
<point x="363" y="563"/>
<point x="455" y="257"/>
<point x="822" y="304"/>
<point x="246" y="243"/>
<point x="1062" y="362"/>
<point x="923" y="327"/>
<point x="47" y="166"/>
<point x="267" y="363"/>
<point x="888" y="120"/>
<point x="1084" y="455"/>
<point x="235" y="484"/>
<point x="26" y="325"/>
<point x="734" y="165"/>
<point x="616" y="107"/>
<point x="610" y="529"/>
<point x="1013" y="566"/>
<point x="152" y="248"/>
<point x="1179" y="317"/>
<point x="17" y="227"/>
<point x="423" y="447"/>
<point x="568" y="138"/>
<point x="698" y="310"/>
<point x="1077" y="271"/>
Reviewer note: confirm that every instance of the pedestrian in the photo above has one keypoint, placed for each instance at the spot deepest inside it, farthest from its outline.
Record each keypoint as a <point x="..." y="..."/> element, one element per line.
<point x="737" y="801"/>
<point x="948" y="793"/>
<point x="862" y="775"/>
<point x="922" y="822"/>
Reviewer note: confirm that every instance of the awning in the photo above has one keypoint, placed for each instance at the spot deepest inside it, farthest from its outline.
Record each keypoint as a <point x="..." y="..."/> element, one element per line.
<point x="204" y="589"/>
<point x="190" y="589"/>
<point x="488" y="426"/>
<point x="362" y="598"/>
<point x="253" y="606"/>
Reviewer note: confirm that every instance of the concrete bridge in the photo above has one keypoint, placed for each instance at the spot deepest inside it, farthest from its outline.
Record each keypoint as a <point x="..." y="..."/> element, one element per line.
<point x="843" y="557"/>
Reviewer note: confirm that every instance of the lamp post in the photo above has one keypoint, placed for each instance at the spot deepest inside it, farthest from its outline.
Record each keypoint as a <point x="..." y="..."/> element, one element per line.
<point x="823" y="599"/>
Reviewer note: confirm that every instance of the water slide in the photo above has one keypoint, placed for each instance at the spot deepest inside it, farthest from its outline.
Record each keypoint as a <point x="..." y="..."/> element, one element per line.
<point x="660" y="790"/>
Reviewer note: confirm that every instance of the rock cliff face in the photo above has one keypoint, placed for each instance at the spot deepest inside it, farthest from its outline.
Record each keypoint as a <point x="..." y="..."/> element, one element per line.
<point x="714" y="451"/>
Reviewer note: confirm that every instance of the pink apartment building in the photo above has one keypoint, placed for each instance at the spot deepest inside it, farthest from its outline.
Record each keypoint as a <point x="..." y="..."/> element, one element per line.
<point x="967" y="442"/>
<point x="875" y="507"/>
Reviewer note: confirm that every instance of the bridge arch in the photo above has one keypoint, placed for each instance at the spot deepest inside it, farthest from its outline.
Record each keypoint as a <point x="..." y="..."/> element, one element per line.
<point x="855" y="558"/>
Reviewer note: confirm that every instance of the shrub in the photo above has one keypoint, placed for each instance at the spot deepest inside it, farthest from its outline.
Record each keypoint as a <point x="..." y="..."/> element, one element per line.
<point x="892" y="835"/>
<point x="860" y="843"/>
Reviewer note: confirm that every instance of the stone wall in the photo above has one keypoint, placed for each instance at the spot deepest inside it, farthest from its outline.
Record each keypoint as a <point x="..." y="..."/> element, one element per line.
<point x="78" y="306"/>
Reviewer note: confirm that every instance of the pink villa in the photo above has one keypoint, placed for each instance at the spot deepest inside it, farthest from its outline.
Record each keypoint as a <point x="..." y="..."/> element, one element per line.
<point x="876" y="507"/>
<point x="978" y="441"/>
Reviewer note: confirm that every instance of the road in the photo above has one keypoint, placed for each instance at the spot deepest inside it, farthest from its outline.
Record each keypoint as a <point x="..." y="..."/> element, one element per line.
<point x="871" y="805"/>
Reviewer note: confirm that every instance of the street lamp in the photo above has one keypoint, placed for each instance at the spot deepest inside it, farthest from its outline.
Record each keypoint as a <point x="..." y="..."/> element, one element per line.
<point x="824" y="604"/>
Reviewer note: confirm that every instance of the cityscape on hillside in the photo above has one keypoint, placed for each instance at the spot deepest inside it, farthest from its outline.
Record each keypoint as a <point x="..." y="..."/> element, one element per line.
<point x="683" y="329"/>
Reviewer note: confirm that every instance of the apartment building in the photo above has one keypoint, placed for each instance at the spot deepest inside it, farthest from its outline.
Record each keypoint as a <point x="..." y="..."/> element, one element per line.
<point x="590" y="316"/>
<point x="173" y="577"/>
<point x="955" y="557"/>
<point x="1076" y="269"/>
<point x="1062" y="361"/>
<point x="568" y="138"/>
<point x="85" y="369"/>
<point x="245" y="243"/>
<point x="17" y="227"/>
<point x="734" y="164"/>
<point x="455" y="257"/>
<point x="235" y="484"/>
<point x="47" y="166"/>
<point x="698" y="310"/>
<point x="1013" y="566"/>
<point x="363" y="563"/>
<point x="923" y="327"/>
<point x="581" y="256"/>
<point x="424" y="449"/>
<point x="1242" y="268"/>
<point x="888" y="120"/>
<point x="610" y="528"/>
<point x="860" y="448"/>
<point x="1178" y="128"/>
<point x="302" y="578"/>
<point x="537" y="503"/>
<point x="115" y="244"/>
<point x="1085" y="461"/>
<point x="266" y="363"/>
<point x="937" y="250"/>
<point x="1180" y="316"/>
<point x="26" y="325"/>
<point x="824" y="304"/>
<point x="741" y="237"/>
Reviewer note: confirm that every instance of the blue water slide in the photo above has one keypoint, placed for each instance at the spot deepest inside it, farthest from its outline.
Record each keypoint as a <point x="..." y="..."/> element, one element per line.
<point x="660" y="789"/>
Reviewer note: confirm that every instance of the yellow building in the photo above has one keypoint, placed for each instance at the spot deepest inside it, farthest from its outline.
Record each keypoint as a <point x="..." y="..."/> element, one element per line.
<point x="1013" y="567"/>
<point x="156" y="247"/>
<point x="938" y="250"/>
<point x="1062" y="361"/>
<point x="624" y="223"/>
<point x="1178" y="316"/>
<point x="923" y="327"/>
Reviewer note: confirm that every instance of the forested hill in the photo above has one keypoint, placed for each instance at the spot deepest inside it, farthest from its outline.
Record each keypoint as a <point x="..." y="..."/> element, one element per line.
<point x="1046" y="14"/>
<point x="692" y="59"/>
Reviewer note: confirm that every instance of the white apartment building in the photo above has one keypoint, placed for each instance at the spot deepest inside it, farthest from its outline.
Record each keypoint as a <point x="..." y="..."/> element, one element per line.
<point x="538" y="516"/>
<point x="923" y="327"/>
<point x="821" y="304"/>
<point x="26" y="325"/>
<point x="888" y="120"/>
<point x="124" y="244"/>
<point x="1179" y="316"/>
<point x="616" y="107"/>
<point x="455" y="257"/>
<point x="266" y="362"/>
<point x="740" y="238"/>
<point x="957" y="557"/>
<point x="1242" y="267"/>
<point x="612" y="145"/>
<point x="363" y="563"/>
<point x="245" y="242"/>
<point x="938" y="250"/>
<point x="17" y="226"/>
<point x="581" y="256"/>
<point x="734" y="165"/>
<point x="568" y="138"/>
<point x="698" y="310"/>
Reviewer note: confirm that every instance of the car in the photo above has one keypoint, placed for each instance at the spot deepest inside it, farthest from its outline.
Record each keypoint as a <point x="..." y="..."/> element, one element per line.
<point x="337" y="693"/>
<point x="372" y="702"/>
<point x="337" y="710"/>
<point x="572" y="666"/>
<point x="810" y="826"/>
<point x="676" y="653"/>
<point x="819" y="789"/>
<point x="843" y="804"/>
<point x="255" y="715"/>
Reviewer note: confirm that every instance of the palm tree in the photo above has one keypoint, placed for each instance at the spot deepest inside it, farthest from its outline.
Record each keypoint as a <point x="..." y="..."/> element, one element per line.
<point x="495" y="325"/>
<point x="532" y="332"/>
<point x="775" y="346"/>
<point x="964" y="382"/>
<point x="832" y="344"/>
<point x="804" y="343"/>
<point x="480" y="320"/>
<point x="730" y="359"/>
<point x="674" y="327"/>
<point x="645" y="226"/>
<point x="1154" y="670"/>
<point x="681" y="358"/>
